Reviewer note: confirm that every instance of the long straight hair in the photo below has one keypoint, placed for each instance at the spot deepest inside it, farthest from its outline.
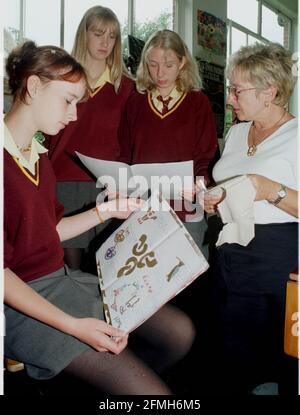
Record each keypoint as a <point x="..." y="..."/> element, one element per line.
<point x="188" y="78"/>
<point x="103" y="17"/>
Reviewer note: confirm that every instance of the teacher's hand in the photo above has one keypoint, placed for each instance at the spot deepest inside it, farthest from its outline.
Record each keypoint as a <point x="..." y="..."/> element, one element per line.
<point x="265" y="188"/>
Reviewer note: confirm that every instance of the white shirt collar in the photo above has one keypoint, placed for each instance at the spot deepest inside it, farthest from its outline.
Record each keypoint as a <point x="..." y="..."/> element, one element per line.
<point x="11" y="147"/>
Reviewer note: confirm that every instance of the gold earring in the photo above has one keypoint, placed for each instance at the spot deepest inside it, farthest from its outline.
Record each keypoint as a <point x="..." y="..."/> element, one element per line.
<point x="267" y="104"/>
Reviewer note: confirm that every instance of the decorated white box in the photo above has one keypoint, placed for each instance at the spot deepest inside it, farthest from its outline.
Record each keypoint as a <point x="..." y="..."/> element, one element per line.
<point x="148" y="260"/>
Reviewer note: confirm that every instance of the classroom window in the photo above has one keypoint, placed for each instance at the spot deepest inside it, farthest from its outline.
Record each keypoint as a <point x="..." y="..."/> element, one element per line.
<point x="239" y="39"/>
<point x="42" y="21"/>
<point x="244" y="13"/>
<point x="254" y="20"/>
<point x="12" y="19"/>
<point x="151" y="16"/>
<point x="30" y="18"/>
<point x="273" y="25"/>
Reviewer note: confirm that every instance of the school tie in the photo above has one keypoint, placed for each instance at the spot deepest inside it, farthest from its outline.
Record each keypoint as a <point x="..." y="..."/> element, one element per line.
<point x="165" y="103"/>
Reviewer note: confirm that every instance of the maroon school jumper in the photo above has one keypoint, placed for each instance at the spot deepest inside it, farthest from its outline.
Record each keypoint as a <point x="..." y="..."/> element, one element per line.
<point x="94" y="134"/>
<point x="186" y="132"/>
<point x="32" y="246"/>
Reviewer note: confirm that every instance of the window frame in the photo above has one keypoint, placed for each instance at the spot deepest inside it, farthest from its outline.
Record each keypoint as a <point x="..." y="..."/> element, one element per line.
<point x="231" y="23"/>
<point x="279" y="13"/>
<point x="131" y="8"/>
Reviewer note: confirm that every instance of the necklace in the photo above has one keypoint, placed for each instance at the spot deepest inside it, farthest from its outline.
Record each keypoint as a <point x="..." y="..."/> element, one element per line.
<point x="24" y="149"/>
<point x="252" y="148"/>
<point x="38" y="136"/>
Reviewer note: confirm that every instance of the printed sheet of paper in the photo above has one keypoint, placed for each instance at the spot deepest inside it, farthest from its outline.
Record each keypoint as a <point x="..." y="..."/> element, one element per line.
<point x="149" y="259"/>
<point x="154" y="176"/>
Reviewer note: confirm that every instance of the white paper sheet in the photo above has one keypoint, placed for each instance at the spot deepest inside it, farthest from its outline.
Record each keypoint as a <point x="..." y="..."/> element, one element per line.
<point x="169" y="178"/>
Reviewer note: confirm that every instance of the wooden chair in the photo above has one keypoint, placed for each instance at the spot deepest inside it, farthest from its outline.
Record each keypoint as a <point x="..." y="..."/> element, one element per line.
<point x="292" y="322"/>
<point x="13" y="365"/>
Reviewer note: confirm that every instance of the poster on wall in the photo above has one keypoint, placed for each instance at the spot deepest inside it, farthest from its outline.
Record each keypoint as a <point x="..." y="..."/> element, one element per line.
<point x="212" y="76"/>
<point x="211" y="33"/>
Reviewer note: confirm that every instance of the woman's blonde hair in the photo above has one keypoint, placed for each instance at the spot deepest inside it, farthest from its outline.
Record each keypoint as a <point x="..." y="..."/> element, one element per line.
<point x="263" y="66"/>
<point x="93" y="18"/>
<point x="189" y="77"/>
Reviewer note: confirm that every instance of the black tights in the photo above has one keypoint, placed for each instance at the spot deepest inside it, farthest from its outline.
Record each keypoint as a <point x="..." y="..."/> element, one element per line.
<point x="160" y="342"/>
<point x="73" y="257"/>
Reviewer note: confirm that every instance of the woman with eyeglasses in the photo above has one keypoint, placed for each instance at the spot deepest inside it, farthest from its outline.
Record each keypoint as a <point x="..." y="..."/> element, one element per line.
<point x="251" y="280"/>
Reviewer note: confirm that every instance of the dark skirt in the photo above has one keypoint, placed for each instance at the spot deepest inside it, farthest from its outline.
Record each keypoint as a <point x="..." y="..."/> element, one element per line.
<point x="263" y="266"/>
<point x="249" y="296"/>
<point x="44" y="350"/>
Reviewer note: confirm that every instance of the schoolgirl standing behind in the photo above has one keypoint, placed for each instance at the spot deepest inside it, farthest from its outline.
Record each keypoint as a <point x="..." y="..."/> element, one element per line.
<point x="98" y="48"/>
<point x="169" y="119"/>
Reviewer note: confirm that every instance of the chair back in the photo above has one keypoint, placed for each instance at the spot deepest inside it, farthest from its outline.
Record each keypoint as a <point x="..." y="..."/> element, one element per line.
<point x="292" y="323"/>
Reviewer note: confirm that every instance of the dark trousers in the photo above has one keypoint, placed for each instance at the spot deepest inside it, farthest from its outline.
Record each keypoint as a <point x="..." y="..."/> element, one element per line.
<point x="249" y="296"/>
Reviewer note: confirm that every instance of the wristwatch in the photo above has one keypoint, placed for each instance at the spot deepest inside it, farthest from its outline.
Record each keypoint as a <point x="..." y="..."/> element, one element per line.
<point x="281" y="194"/>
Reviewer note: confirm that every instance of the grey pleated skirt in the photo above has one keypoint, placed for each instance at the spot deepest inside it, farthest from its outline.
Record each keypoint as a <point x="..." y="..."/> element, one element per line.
<point x="44" y="350"/>
<point x="198" y="231"/>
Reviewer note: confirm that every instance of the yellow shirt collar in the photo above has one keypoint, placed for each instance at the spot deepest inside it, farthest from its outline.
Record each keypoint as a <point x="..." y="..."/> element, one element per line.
<point x="174" y="94"/>
<point x="105" y="77"/>
<point x="11" y="147"/>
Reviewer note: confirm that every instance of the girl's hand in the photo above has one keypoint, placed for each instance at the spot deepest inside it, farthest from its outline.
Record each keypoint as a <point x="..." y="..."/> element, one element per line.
<point x="99" y="335"/>
<point x="198" y="188"/>
<point x="119" y="208"/>
<point x="188" y="194"/>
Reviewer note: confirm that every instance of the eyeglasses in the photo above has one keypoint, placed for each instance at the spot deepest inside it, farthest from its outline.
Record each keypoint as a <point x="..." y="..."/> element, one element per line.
<point x="236" y="91"/>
